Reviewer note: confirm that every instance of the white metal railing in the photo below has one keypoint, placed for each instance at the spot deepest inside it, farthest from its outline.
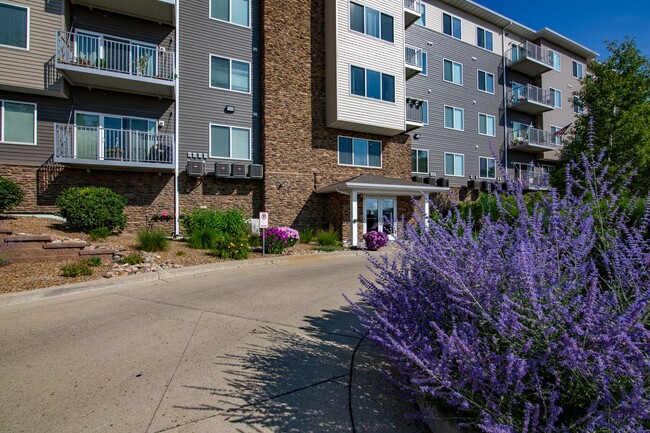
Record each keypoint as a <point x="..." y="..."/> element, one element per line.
<point x="537" y="180"/>
<point x="413" y="5"/>
<point x="530" y="93"/>
<point x="531" y="136"/>
<point x="105" y="53"/>
<point x="528" y="50"/>
<point x="414" y="110"/>
<point x="106" y="144"/>
<point x="413" y="56"/>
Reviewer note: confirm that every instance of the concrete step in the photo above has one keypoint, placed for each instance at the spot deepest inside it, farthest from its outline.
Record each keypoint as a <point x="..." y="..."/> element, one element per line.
<point x="63" y="245"/>
<point x="29" y="238"/>
<point x="97" y="252"/>
<point x="54" y="259"/>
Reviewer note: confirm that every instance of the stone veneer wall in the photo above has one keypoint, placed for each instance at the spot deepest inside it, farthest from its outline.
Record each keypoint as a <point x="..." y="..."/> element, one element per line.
<point x="300" y="152"/>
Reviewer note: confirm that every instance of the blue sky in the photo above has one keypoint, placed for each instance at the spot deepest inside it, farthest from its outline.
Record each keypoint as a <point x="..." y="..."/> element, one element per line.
<point x="587" y="22"/>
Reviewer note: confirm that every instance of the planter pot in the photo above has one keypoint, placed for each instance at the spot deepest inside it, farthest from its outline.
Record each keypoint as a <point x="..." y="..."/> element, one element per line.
<point x="440" y="421"/>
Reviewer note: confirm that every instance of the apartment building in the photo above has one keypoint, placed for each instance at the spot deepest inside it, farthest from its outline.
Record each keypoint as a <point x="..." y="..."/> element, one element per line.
<point x="328" y="112"/>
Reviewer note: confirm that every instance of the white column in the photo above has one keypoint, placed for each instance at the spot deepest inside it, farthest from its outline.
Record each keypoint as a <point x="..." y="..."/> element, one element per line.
<point x="425" y="197"/>
<point x="354" y="208"/>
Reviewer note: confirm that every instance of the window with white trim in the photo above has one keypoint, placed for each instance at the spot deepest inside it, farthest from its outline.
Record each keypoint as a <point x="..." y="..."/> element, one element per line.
<point x="422" y="21"/>
<point x="232" y="11"/>
<point x="454" y="118"/>
<point x="454" y="164"/>
<point x="425" y="112"/>
<point x="555" y="139"/>
<point x="556" y="96"/>
<point x="556" y="59"/>
<point x="452" y="72"/>
<point x="230" y="74"/>
<point x="487" y="167"/>
<point x="485" y="82"/>
<point x="451" y="26"/>
<point x="14" y="26"/>
<point x="577" y="70"/>
<point x="230" y="142"/>
<point x="371" y="22"/>
<point x="359" y="152"/>
<point x="17" y="122"/>
<point x="419" y="161"/>
<point x="486" y="125"/>
<point x="424" y="64"/>
<point x="372" y="84"/>
<point x="577" y="105"/>
<point x="484" y="39"/>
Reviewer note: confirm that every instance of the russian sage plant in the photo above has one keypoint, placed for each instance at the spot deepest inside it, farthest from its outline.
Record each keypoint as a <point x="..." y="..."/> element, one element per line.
<point x="525" y="324"/>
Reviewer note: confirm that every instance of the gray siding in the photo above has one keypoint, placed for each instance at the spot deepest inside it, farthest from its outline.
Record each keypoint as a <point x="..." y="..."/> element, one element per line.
<point x="200" y="105"/>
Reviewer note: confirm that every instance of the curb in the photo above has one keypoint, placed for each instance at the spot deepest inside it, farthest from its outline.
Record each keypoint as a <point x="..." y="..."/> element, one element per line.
<point x="195" y="271"/>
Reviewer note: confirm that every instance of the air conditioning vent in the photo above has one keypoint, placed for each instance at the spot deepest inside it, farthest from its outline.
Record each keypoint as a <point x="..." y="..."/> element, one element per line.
<point x="485" y="185"/>
<point x="222" y="169"/>
<point x="196" y="168"/>
<point x="256" y="171"/>
<point x="418" y="179"/>
<point x="430" y="180"/>
<point x="239" y="170"/>
<point x="441" y="181"/>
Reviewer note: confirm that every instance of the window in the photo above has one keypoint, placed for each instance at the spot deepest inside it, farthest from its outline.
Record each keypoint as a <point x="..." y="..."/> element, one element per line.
<point x="372" y="84"/>
<point x="453" y="72"/>
<point x="555" y="139"/>
<point x="424" y="63"/>
<point x="454" y="164"/>
<point x="486" y="125"/>
<point x="454" y="118"/>
<point x="484" y="39"/>
<point x="422" y="21"/>
<point x="547" y="169"/>
<point x="487" y="167"/>
<point x="359" y="152"/>
<point x="556" y="97"/>
<point x="14" y="26"/>
<point x="371" y="22"/>
<point x="555" y="58"/>
<point x="485" y="82"/>
<point x="577" y="106"/>
<point x="451" y="26"/>
<point x="229" y="74"/>
<point x="419" y="161"/>
<point x="577" y="70"/>
<point x="17" y="122"/>
<point x="232" y="11"/>
<point x="230" y="142"/>
<point x="425" y="112"/>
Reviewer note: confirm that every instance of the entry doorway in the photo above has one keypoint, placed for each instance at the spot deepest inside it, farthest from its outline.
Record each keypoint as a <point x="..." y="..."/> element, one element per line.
<point x="380" y="214"/>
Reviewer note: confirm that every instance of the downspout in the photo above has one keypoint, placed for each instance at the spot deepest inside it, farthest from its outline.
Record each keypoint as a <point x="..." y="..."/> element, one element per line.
<point x="176" y="123"/>
<point x="505" y="98"/>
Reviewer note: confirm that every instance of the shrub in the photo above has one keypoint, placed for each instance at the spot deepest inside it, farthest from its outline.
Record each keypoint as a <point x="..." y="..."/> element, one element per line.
<point x="87" y="208"/>
<point x="306" y="235"/>
<point x="99" y="233"/>
<point x="4" y="260"/>
<point x="375" y="240"/>
<point x="77" y="269"/>
<point x="230" y="222"/>
<point x="131" y="259"/>
<point x="93" y="261"/>
<point x="180" y="253"/>
<point x="254" y="240"/>
<point x="329" y="237"/>
<point x="279" y="238"/>
<point x="202" y="238"/>
<point x="11" y="194"/>
<point x="153" y="240"/>
<point x="530" y="324"/>
<point x="227" y="247"/>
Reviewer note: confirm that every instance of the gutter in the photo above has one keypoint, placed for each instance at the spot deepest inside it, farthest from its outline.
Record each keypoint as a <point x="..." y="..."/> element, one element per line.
<point x="505" y="98"/>
<point x="177" y="178"/>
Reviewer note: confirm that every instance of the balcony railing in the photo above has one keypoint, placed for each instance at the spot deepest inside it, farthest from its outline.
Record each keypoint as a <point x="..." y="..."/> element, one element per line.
<point x="531" y="98"/>
<point x="107" y="54"/>
<point x="411" y="12"/>
<point x="413" y="57"/>
<point x="414" y="113"/>
<point x="412" y="5"/>
<point x="531" y="137"/>
<point x="105" y="146"/>
<point x="535" y="180"/>
<point x="530" y="59"/>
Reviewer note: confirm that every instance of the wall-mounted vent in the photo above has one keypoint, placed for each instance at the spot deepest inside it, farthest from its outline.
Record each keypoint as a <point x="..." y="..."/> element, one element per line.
<point x="430" y="180"/>
<point x="222" y="169"/>
<point x="196" y="168"/>
<point x="239" y="170"/>
<point x="256" y="171"/>
<point x="418" y="179"/>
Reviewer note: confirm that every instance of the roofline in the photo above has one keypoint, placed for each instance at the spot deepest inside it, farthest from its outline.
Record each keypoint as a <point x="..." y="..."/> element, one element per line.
<point x="351" y="186"/>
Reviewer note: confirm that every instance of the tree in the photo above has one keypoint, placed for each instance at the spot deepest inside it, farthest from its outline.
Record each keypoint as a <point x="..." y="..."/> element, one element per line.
<point x="616" y="95"/>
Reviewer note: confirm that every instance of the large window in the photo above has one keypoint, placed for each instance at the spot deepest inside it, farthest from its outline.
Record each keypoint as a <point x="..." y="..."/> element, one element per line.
<point x="577" y="105"/>
<point x="485" y="82"/>
<point x="425" y="112"/>
<point x="14" y="26"/>
<point x="230" y="142"/>
<point x="454" y="164"/>
<point x="232" y="11"/>
<point x="17" y="122"/>
<point x="372" y="84"/>
<point x="484" y="39"/>
<point x="486" y="124"/>
<point x="487" y="167"/>
<point x="556" y="59"/>
<point x="425" y="66"/>
<point x="419" y="161"/>
<point x="555" y="137"/>
<point x="556" y="97"/>
<point x="422" y="21"/>
<point x="359" y="152"/>
<point x="453" y="72"/>
<point x="454" y="118"/>
<point x="577" y="70"/>
<point x="451" y="26"/>
<point x="230" y="74"/>
<point x="371" y="22"/>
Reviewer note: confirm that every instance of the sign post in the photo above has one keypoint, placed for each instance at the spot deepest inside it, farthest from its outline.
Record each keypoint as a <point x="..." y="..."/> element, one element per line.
<point x="264" y="224"/>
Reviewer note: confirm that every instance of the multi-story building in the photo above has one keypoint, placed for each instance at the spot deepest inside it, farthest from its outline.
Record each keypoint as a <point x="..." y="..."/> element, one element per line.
<point x="318" y="112"/>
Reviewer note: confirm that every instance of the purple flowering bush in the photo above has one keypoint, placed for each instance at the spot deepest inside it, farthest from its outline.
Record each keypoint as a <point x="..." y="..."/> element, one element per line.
<point x="375" y="240"/>
<point x="279" y="238"/>
<point x="531" y="323"/>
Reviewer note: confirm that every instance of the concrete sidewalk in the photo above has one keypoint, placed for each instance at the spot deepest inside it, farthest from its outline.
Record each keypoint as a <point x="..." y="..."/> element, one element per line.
<point x="262" y="348"/>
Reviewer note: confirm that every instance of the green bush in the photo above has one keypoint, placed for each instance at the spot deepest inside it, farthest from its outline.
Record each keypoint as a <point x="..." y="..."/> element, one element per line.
<point x="93" y="261"/>
<point x="486" y="204"/>
<point x="230" y="222"/>
<point x="4" y="260"/>
<point x="153" y="240"/>
<point x="88" y="208"/>
<point x="131" y="259"/>
<point x="254" y="240"/>
<point x="77" y="269"/>
<point x="99" y="233"/>
<point x="306" y="236"/>
<point x="328" y="238"/>
<point x="11" y="194"/>
<point x="227" y="247"/>
<point x="180" y="253"/>
<point x="203" y="239"/>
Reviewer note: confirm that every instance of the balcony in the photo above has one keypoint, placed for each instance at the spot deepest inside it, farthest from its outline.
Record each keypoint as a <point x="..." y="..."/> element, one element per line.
<point x="107" y="148"/>
<point x="160" y="11"/>
<point x="530" y="99"/>
<point x="535" y="181"/>
<point x="529" y="59"/>
<point x="412" y="61"/>
<point x="414" y="114"/>
<point x="111" y="63"/>
<point x="411" y="12"/>
<point x="531" y="140"/>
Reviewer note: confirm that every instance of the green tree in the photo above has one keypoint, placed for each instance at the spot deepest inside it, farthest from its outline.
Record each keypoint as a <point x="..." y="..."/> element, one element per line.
<point x="616" y="95"/>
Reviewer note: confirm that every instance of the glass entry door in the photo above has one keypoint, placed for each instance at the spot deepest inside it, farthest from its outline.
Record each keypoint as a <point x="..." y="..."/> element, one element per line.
<point x="379" y="213"/>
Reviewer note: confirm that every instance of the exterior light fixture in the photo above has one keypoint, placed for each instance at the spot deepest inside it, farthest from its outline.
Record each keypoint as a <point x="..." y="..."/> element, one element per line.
<point x="229" y="109"/>
<point x="416" y="136"/>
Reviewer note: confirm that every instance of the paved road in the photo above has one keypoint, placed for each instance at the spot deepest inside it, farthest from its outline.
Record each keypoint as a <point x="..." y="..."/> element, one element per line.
<point x="259" y="349"/>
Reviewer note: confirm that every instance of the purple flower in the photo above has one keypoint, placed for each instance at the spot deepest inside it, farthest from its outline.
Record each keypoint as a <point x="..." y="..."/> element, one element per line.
<point x="375" y="240"/>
